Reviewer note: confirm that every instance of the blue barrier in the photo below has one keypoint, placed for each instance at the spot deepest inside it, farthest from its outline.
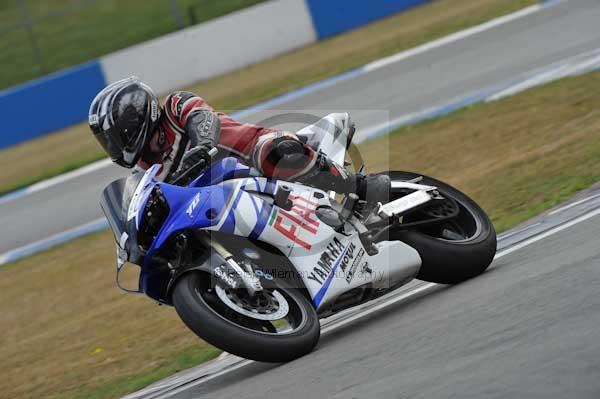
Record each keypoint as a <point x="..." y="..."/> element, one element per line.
<point x="62" y="99"/>
<point x="49" y="103"/>
<point x="331" y="17"/>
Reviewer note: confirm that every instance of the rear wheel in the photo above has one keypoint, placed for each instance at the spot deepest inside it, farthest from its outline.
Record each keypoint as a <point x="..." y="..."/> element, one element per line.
<point x="276" y="325"/>
<point x="454" y="249"/>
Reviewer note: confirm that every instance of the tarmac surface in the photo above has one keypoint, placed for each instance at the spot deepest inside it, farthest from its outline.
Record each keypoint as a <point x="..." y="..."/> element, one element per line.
<point x="527" y="328"/>
<point x="410" y="85"/>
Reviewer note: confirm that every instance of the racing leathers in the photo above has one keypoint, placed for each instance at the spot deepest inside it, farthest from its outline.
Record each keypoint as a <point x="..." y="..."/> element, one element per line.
<point x="189" y="128"/>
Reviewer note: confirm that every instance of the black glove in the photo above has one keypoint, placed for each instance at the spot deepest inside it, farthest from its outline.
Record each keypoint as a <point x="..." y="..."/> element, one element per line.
<point x="288" y="153"/>
<point x="196" y="157"/>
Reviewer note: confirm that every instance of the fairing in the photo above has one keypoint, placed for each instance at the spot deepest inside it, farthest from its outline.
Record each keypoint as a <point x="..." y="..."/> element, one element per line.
<point x="123" y="202"/>
<point x="328" y="263"/>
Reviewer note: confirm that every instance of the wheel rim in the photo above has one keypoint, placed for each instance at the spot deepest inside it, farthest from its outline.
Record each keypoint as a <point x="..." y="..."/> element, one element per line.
<point x="275" y="311"/>
<point x="465" y="227"/>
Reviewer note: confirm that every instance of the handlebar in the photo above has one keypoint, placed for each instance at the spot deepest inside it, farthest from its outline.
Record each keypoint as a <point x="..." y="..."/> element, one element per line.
<point x="183" y="178"/>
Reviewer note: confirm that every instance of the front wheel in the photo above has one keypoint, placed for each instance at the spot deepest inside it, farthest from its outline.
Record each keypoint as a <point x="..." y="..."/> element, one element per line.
<point x="453" y="250"/>
<point x="276" y="325"/>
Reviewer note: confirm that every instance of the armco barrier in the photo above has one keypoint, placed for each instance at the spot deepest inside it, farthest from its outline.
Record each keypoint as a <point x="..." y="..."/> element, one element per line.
<point x="49" y="103"/>
<point x="331" y="17"/>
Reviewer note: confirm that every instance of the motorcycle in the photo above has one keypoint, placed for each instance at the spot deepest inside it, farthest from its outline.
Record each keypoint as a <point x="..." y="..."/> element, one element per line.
<point x="251" y="263"/>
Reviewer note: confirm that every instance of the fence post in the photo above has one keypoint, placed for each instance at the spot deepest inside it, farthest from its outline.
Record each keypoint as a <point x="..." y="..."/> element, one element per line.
<point x="28" y="25"/>
<point x="179" y="21"/>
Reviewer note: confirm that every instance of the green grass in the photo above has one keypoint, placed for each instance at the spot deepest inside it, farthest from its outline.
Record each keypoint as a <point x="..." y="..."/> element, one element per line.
<point x="186" y="359"/>
<point x="74" y="335"/>
<point x="72" y="32"/>
<point x="72" y="164"/>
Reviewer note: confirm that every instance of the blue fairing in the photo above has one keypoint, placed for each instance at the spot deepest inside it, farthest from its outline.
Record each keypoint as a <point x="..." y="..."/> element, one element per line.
<point x="225" y="169"/>
<point x="200" y="205"/>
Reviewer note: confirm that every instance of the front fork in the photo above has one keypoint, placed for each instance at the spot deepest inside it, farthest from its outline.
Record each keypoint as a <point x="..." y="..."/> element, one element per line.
<point x="249" y="280"/>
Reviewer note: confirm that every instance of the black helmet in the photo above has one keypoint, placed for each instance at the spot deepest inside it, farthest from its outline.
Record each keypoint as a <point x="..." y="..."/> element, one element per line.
<point x="122" y="117"/>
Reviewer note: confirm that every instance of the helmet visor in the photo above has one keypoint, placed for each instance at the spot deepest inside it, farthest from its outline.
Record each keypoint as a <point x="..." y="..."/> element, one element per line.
<point x="125" y="153"/>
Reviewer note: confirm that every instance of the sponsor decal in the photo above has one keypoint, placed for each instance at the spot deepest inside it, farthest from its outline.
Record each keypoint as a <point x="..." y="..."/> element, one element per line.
<point x="93" y="120"/>
<point x="325" y="264"/>
<point x="193" y="204"/>
<point x="352" y="269"/>
<point x="348" y="256"/>
<point x="300" y="219"/>
<point x="223" y="276"/>
<point x="153" y="111"/>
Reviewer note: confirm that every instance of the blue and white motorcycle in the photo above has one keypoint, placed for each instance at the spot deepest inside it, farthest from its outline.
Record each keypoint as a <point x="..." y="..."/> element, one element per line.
<point x="251" y="263"/>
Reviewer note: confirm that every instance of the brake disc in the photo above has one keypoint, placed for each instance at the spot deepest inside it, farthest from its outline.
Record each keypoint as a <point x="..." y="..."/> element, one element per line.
<point x="275" y="308"/>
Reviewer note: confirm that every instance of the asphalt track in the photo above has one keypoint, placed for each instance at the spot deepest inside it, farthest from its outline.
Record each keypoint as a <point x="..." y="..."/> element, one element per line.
<point x="432" y="77"/>
<point x="527" y="328"/>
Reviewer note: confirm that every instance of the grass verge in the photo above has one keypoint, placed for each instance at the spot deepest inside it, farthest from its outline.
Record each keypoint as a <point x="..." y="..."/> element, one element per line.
<point x="71" y="32"/>
<point x="73" y="335"/>
<point x="516" y="157"/>
<point x="40" y="158"/>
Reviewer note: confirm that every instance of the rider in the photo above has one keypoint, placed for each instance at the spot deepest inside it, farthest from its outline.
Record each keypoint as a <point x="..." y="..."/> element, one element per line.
<point x="125" y="117"/>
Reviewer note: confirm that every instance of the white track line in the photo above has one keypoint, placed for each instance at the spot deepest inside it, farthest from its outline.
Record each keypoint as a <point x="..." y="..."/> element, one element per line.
<point x="572" y="66"/>
<point x="391" y="301"/>
<point x="512" y="233"/>
<point x="55" y="180"/>
<point x="548" y="233"/>
<point x="52" y="241"/>
<point x="454" y="37"/>
<point x="574" y="204"/>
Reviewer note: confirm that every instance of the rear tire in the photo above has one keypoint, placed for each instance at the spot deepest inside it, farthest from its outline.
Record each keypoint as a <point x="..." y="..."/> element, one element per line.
<point x="447" y="261"/>
<point x="225" y="334"/>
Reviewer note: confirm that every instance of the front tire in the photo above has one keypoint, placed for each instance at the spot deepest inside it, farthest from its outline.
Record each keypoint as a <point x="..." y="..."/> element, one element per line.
<point x="449" y="257"/>
<point x="212" y="320"/>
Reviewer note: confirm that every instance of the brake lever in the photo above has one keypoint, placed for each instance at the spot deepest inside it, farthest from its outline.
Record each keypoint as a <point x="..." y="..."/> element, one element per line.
<point x="183" y="178"/>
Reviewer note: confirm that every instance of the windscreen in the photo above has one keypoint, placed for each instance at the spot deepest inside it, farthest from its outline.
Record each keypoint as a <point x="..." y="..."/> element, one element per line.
<point x="115" y="202"/>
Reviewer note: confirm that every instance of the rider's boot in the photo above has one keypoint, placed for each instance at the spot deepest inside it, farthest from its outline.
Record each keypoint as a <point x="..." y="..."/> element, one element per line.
<point x="327" y="175"/>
